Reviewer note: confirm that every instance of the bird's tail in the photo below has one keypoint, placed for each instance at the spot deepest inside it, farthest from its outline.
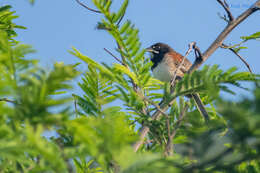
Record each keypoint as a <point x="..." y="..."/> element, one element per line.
<point x="200" y="106"/>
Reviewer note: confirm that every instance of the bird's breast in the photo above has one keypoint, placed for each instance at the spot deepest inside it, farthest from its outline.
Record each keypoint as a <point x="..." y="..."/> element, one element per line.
<point x="162" y="72"/>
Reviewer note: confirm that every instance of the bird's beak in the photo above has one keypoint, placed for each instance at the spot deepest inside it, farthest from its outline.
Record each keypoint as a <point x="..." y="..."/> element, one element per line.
<point x="149" y="49"/>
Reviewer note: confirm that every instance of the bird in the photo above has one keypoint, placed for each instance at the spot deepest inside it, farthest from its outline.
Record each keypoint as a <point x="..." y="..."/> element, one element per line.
<point x="165" y="61"/>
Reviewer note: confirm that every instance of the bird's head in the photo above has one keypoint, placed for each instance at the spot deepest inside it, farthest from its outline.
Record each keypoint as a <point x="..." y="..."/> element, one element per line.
<point x="159" y="49"/>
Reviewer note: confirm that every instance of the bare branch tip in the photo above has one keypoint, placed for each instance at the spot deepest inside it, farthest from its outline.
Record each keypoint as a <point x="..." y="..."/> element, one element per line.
<point x="88" y="8"/>
<point x="225" y="5"/>
<point x="238" y="55"/>
<point x="110" y="53"/>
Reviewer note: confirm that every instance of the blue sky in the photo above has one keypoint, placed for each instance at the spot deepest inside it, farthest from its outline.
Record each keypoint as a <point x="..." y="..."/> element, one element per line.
<point x="54" y="26"/>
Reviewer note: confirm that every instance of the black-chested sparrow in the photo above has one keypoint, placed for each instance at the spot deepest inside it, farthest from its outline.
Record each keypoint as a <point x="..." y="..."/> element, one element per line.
<point x="165" y="62"/>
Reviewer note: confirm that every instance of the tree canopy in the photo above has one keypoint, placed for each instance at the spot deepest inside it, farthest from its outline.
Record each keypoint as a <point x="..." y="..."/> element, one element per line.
<point x="125" y="120"/>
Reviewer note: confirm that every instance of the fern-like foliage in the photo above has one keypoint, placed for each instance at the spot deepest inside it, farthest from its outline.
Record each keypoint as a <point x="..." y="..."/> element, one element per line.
<point x="129" y="45"/>
<point x="32" y="100"/>
<point x="98" y="92"/>
<point x="211" y="79"/>
<point x="237" y="47"/>
<point x="44" y="88"/>
<point x="135" y="68"/>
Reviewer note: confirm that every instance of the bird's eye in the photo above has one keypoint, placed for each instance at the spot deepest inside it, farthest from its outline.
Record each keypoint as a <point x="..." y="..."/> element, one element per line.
<point x="158" y="47"/>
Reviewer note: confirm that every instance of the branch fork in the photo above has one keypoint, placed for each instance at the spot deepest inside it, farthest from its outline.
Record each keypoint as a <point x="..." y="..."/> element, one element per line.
<point x="224" y="46"/>
<point x="171" y="134"/>
<point x="225" y="5"/>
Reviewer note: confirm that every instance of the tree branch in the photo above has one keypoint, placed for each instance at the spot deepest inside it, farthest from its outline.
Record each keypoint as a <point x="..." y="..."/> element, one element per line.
<point x="120" y="20"/>
<point x="7" y="100"/>
<point x="110" y="53"/>
<point x="224" y="17"/>
<point x="152" y="103"/>
<point x="221" y="37"/>
<point x="90" y="9"/>
<point x="239" y="56"/>
<point x="75" y="105"/>
<point x="178" y="122"/>
<point x="198" y="62"/>
<point x="227" y="9"/>
<point x="169" y="144"/>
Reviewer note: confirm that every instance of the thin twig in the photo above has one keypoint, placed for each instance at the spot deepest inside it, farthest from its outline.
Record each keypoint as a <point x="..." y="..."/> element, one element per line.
<point x="168" y="126"/>
<point x="110" y="53"/>
<point x="227" y="9"/>
<point x="121" y="49"/>
<point x="178" y="122"/>
<point x="121" y="18"/>
<point x="169" y="144"/>
<point x="181" y="64"/>
<point x="236" y="45"/>
<point x="239" y="56"/>
<point x="221" y="37"/>
<point x="135" y="87"/>
<point x="7" y="100"/>
<point x="224" y="17"/>
<point x="75" y="106"/>
<point x="195" y="96"/>
<point x="200" y="106"/>
<point x="90" y="9"/>
<point x="152" y="103"/>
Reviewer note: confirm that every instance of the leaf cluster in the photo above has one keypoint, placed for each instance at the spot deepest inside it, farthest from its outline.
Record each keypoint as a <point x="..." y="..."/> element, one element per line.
<point x="30" y="105"/>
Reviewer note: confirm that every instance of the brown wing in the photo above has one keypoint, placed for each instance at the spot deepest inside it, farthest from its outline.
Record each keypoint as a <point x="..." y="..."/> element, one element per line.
<point x="177" y="59"/>
<point x="186" y="65"/>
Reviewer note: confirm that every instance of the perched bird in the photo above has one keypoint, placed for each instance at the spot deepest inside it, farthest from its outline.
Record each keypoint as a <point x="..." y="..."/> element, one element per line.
<point x="165" y="62"/>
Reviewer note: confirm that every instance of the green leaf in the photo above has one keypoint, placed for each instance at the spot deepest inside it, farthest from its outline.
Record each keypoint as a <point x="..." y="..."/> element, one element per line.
<point x="125" y="27"/>
<point x="4" y="8"/>
<point x="253" y="36"/>
<point x="121" y="11"/>
<point x="239" y="48"/>
<point x="92" y="62"/>
<point x="122" y="69"/>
